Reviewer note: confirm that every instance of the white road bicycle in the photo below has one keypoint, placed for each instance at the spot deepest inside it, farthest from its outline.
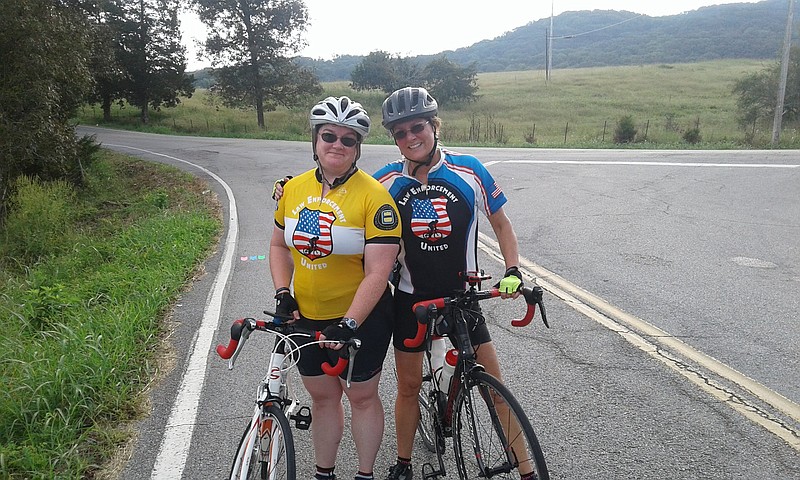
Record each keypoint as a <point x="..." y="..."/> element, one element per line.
<point x="266" y="450"/>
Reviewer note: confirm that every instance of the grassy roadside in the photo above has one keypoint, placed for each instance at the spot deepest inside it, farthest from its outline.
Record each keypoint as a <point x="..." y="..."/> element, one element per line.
<point x="86" y="279"/>
<point x="578" y="108"/>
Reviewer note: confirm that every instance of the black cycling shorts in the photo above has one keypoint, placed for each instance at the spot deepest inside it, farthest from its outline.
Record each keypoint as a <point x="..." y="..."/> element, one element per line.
<point x="375" y="333"/>
<point x="405" y="323"/>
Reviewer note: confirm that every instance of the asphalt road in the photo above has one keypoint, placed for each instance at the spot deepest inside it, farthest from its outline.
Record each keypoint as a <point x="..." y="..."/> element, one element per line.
<point x="672" y="280"/>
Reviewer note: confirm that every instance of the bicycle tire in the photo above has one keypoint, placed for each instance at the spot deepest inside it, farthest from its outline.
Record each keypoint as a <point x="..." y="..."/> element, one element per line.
<point x="483" y="448"/>
<point x="428" y="427"/>
<point x="271" y="454"/>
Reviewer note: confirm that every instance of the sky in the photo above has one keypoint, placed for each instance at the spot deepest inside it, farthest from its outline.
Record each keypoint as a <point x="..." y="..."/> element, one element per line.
<point x="423" y="27"/>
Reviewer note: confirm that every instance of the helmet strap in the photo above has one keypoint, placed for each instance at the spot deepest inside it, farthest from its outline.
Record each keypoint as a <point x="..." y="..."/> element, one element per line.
<point x="431" y="154"/>
<point x="319" y="172"/>
<point x="336" y="181"/>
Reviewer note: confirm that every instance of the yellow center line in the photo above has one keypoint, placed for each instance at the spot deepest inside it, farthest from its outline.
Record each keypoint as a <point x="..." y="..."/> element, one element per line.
<point x="634" y="330"/>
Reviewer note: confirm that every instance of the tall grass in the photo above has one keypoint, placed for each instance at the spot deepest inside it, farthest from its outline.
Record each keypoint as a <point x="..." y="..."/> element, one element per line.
<point x="78" y="325"/>
<point x="576" y="108"/>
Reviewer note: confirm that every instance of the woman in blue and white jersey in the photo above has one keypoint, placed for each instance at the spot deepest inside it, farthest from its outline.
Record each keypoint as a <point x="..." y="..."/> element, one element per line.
<point x="440" y="195"/>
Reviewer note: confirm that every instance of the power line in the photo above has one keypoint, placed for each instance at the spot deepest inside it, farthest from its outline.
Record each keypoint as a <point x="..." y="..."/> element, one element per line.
<point x="549" y="40"/>
<point x="598" y="29"/>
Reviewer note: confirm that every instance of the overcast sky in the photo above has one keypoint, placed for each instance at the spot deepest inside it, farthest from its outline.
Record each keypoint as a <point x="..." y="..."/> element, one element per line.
<point x="421" y="27"/>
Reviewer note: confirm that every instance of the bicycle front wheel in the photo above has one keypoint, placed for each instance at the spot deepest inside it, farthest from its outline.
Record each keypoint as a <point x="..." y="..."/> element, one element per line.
<point x="492" y="436"/>
<point x="266" y="451"/>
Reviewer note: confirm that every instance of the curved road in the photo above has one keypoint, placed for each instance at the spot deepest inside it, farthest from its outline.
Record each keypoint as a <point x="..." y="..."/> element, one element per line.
<point x="673" y="280"/>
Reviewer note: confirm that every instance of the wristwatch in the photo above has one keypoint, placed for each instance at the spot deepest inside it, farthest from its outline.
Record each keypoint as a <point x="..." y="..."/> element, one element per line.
<point x="350" y="323"/>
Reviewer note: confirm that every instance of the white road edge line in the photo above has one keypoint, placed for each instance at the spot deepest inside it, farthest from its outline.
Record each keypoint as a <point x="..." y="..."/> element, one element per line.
<point x="613" y="318"/>
<point x="174" y="449"/>
<point x="650" y="164"/>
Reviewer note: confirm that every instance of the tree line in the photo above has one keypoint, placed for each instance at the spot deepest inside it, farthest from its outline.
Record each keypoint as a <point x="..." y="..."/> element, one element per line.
<point x="60" y="54"/>
<point x="600" y="38"/>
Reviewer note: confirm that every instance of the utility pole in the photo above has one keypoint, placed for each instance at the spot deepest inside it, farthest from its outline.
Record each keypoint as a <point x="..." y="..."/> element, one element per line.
<point x="546" y="55"/>
<point x="787" y="43"/>
<point x="550" y="44"/>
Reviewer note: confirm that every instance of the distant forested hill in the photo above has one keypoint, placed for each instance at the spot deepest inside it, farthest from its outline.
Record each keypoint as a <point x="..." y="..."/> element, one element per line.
<point x="608" y="38"/>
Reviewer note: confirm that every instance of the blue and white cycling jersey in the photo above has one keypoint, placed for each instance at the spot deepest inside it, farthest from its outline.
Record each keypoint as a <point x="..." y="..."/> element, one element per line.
<point x="440" y="220"/>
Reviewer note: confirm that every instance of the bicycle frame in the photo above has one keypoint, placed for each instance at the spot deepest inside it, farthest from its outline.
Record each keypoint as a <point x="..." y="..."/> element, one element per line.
<point x="432" y="316"/>
<point x="274" y="390"/>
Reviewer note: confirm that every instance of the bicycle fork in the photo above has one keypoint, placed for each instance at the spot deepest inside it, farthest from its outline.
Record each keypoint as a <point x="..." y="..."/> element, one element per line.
<point x="243" y="457"/>
<point x="442" y="426"/>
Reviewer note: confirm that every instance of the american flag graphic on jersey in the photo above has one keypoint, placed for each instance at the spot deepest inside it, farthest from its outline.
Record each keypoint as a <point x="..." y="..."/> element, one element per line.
<point x="429" y="219"/>
<point x="312" y="236"/>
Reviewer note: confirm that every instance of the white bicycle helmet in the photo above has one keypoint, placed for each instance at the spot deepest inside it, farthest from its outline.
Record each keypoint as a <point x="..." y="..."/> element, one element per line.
<point x="343" y="112"/>
<point x="407" y="103"/>
<point x="340" y="111"/>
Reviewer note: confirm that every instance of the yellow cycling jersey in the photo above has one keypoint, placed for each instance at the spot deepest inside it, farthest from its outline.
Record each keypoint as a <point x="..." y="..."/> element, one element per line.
<point x="327" y="237"/>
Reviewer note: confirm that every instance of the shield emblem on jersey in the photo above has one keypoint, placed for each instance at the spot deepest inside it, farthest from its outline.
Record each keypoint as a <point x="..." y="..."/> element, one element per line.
<point x="312" y="236"/>
<point x="429" y="219"/>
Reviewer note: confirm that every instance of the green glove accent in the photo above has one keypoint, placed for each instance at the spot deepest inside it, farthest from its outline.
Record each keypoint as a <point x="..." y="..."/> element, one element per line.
<point x="281" y="182"/>
<point x="510" y="284"/>
<point x="512" y="281"/>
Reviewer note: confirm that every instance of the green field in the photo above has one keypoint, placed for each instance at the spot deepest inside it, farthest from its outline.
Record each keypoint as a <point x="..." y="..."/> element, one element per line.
<point x="577" y="108"/>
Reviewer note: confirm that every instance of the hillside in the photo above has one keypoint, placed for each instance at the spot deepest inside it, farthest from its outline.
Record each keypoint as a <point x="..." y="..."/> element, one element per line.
<point x="611" y="38"/>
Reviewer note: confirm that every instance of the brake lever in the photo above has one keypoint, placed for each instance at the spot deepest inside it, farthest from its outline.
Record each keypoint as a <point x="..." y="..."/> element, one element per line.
<point x="352" y="358"/>
<point x="538" y="296"/>
<point x="248" y="325"/>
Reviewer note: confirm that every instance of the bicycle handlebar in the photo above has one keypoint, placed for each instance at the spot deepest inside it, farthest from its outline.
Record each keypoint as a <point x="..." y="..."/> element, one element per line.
<point x="242" y="328"/>
<point x="426" y="309"/>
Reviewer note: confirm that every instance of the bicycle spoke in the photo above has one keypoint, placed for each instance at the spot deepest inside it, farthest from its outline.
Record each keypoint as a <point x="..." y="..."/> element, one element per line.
<point x="266" y="451"/>
<point x="492" y="436"/>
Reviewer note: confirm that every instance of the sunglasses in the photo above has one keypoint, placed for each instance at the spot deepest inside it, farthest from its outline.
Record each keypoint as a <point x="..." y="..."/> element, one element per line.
<point x="329" y="137"/>
<point x="415" y="129"/>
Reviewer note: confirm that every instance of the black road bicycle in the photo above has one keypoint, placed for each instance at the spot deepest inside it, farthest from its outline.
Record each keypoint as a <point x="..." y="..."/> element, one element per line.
<point x="492" y="435"/>
<point x="266" y="450"/>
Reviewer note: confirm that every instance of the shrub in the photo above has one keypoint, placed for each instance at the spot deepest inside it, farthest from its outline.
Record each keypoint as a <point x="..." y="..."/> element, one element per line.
<point x="692" y="135"/>
<point x="39" y="221"/>
<point x="625" y="131"/>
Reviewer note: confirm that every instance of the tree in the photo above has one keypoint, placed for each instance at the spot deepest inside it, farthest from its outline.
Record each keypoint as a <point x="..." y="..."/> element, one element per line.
<point x="448" y="82"/>
<point x="107" y="73"/>
<point x="250" y="42"/>
<point x="382" y="71"/>
<point x="758" y="93"/>
<point x="43" y="50"/>
<point x="151" y="54"/>
<point x="284" y="81"/>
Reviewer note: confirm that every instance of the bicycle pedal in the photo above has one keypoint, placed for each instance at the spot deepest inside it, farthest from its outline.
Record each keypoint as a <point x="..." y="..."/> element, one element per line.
<point x="302" y="419"/>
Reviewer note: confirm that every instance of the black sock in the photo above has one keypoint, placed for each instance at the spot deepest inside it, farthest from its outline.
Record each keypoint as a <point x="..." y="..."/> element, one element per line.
<point x="364" y="476"/>
<point x="404" y="461"/>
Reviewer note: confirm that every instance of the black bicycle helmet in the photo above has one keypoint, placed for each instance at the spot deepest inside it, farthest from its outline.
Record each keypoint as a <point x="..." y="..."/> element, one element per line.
<point x="407" y="103"/>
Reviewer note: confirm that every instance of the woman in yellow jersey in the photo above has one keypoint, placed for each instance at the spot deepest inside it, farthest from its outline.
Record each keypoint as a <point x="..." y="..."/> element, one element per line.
<point x="335" y="240"/>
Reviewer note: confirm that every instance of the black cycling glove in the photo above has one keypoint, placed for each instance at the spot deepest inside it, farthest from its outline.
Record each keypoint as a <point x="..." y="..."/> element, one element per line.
<point x="338" y="332"/>
<point x="286" y="305"/>
<point x="281" y="182"/>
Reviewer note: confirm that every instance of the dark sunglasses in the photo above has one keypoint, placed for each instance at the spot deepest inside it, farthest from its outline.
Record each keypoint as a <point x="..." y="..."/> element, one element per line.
<point x="415" y="129"/>
<point x="329" y="137"/>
